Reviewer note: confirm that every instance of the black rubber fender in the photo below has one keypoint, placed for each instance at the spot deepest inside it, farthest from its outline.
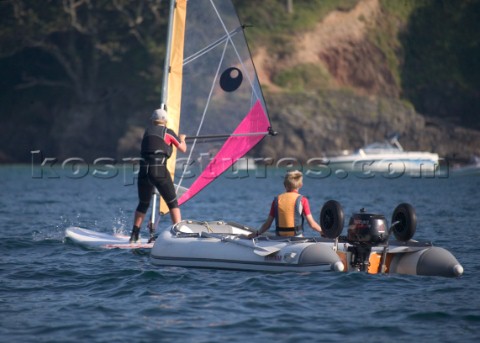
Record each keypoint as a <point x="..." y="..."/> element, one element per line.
<point x="332" y="219"/>
<point x="405" y="214"/>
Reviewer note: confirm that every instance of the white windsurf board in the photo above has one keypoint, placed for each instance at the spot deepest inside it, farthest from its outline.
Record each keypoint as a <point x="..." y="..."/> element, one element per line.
<point x="94" y="239"/>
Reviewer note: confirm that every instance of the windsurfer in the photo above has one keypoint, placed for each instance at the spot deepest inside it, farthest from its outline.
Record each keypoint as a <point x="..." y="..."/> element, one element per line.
<point x="156" y="149"/>
<point x="289" y="210"/>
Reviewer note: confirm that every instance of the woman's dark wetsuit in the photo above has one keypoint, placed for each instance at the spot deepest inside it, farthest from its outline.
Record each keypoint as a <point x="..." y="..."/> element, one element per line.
<point x="156" y="149"/>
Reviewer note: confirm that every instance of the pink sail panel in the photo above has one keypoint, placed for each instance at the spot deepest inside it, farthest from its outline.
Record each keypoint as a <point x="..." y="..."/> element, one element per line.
<point x="234" y="148"/>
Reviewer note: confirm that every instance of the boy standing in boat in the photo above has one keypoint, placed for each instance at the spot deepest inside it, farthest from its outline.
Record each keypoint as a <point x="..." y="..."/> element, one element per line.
<point x="157" y="147"/>
<point x="290" y="209"/>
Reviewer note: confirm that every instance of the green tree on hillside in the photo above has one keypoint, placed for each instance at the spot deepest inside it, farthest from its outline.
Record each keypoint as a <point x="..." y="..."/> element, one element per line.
<point x="67" y="64"/>
<point x="85" y="40"/>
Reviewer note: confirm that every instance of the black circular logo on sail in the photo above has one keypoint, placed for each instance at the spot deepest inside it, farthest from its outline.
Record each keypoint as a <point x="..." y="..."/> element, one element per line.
<point x="231" y="79"/>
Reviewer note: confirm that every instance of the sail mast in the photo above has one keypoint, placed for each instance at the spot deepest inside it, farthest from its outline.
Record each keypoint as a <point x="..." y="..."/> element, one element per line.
<point x="164" y="96"/>
<point x="173" y="74"/>
<point x="166" y="66"/>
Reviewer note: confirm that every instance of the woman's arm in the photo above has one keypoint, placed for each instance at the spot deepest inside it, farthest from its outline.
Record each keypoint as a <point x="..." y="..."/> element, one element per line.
<point x="183" y="145"/>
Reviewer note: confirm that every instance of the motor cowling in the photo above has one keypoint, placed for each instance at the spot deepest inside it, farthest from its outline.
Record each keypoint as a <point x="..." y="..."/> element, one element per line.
<point x="367" y="229"/>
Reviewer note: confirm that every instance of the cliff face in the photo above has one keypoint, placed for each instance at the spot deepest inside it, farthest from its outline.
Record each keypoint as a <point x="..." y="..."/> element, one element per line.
<point x="340" y="44"/>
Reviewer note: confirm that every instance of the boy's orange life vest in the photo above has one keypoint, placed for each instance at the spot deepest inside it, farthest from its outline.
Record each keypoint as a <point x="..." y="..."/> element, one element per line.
<point x="288" y="214"/>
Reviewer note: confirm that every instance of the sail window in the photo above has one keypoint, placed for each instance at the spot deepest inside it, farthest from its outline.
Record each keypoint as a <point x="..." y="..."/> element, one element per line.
<point x="231" y="79"/>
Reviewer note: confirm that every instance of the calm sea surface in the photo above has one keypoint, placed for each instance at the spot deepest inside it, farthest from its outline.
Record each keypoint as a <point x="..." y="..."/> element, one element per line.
<point x="54" y="291"/>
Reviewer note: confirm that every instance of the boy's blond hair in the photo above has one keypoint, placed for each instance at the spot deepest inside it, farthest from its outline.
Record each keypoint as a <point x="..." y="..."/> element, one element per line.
<point x="293" y="180"/>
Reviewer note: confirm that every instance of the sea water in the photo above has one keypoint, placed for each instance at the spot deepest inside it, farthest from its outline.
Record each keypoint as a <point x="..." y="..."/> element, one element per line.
<point x="54" y="291"/>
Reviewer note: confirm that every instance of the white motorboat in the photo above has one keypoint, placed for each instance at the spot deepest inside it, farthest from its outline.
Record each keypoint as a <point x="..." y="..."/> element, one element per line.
<point x="388" y="158"/>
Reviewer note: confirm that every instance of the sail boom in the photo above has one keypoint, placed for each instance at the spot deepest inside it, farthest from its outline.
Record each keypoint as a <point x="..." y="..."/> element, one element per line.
<point x="228" y="136"/>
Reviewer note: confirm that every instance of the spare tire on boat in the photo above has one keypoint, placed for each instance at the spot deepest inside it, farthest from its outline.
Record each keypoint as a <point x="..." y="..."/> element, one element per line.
<point x="407" y="218"/>
<point x="331" y="219"/>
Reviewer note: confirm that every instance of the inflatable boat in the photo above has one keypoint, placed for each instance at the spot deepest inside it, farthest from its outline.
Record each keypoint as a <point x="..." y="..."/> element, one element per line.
<point x="365" y="248"/>
<point x="224" y="245"/>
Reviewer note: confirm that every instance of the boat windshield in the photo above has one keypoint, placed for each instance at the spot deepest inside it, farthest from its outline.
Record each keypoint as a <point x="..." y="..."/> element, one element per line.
<point x="381" y="147"/>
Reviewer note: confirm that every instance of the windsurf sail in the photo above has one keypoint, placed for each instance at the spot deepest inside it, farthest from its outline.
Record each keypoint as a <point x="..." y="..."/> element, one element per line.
<point x="172" y="79"/>
<point x="220" y="103"/>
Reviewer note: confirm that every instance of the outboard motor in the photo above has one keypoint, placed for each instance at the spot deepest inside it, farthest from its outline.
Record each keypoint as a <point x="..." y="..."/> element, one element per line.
<point x="365" y="230"/>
